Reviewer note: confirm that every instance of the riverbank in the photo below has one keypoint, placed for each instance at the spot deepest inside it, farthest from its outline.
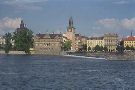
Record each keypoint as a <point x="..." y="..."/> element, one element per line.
<point x="107" y="56"/>
<point x="14" y="52"/>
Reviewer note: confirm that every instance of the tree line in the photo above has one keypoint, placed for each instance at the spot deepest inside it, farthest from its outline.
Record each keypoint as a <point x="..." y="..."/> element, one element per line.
<point x="22" y="39"/>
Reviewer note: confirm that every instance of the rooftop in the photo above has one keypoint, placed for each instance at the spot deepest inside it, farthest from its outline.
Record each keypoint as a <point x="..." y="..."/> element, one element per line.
<point x="130" y="38"/>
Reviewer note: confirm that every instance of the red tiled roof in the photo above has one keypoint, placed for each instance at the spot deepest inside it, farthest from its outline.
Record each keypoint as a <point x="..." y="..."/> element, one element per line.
<point x="130" y="38"/>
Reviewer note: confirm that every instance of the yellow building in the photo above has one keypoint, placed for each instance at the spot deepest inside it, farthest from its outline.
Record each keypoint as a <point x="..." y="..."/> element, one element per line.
<point x="93" y="41"/>
<point x="129" y="41"/>
<point x="111" y="41"/>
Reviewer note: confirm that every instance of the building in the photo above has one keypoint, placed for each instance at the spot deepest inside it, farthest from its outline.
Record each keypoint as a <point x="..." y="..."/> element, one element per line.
<point x="2" y="42"/>
<point x="129" y="41"/>
<point x="49" y="44"/>
<point x="70" y="34"/>
<point x="111" y="41"/>
<point x="22" y="27"/>
<point x="76" y="39"/>
<point x="93" y="41"/>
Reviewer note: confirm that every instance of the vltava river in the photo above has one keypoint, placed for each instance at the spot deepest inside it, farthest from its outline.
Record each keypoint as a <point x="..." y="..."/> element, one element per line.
<point x="65" y="73"/>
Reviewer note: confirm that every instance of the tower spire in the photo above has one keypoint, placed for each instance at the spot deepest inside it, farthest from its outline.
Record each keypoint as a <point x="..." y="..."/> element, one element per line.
<point x="22" y="24"/>
<point x="131" y="33"/>
<point x="71" y="22"/>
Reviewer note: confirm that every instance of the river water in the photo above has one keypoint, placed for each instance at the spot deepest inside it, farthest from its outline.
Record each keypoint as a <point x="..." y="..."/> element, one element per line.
<point x="65" y="73"/>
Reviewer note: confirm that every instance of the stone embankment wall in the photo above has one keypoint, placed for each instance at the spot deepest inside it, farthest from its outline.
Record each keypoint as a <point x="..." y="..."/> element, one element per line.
<point x="13" y="52"/>
<point x="114" y="56"/>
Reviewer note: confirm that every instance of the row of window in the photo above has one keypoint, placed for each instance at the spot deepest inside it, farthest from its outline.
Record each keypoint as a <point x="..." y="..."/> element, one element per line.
<point x="46" y="44"/>
<point x="130" y="42"/>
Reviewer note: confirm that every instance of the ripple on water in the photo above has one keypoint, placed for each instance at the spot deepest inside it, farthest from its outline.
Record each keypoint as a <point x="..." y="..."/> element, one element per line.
<point x="65" y="73"/>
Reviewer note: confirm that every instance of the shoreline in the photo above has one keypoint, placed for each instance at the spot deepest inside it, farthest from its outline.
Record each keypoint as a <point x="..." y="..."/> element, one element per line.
<point x="93" y="55"/>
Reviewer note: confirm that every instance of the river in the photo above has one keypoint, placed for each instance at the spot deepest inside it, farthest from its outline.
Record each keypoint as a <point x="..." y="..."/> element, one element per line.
<point x="37" y="72"/>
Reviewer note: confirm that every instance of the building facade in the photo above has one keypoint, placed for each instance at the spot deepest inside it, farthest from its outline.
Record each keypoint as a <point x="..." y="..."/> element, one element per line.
<point x="111" y="41"/>
<point x="129" y="41"/>
<point x="49" y="44"/>
<point x="70" y="34"/>
<point x="93" y="41"/>
<point x="76" y="39"/>
<point x="22" y="27"/>
<point x="2" y="42"/>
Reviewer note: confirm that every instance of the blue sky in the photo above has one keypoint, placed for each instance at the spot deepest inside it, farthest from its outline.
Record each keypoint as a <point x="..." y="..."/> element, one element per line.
<point x="91" y="17"/>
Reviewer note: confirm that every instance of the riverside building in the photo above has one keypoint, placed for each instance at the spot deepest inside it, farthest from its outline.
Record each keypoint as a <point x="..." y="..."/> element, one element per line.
<point x="111" y="41"/>
<point x="93" y="41"/>
<point x="129" y="41"/>
<point x="49" y="44"/>
<point x="76" y="39"/>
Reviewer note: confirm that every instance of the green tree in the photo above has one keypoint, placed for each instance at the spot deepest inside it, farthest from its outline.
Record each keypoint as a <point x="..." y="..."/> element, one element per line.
<point x="89" y="48"/>
<point x="8" y="45"/>
<point x="131" y="48"/>
<point x="97" y="48"/>
<point x="101" y="48"/>
<point x="84" y="47"/>
<point x="105" y="49"/>
<point x="127" y="48"/>
<point x="67" y="45"/>
<point x="120" y="47"/>
<point x="23" y="40"/>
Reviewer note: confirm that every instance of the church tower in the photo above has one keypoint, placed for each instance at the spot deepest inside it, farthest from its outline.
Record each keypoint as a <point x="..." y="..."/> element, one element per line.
<point x="71" y="26"/>
<point x="22" y="27"/>
<point x="71" y="33"/>
<point x="22" y="24"/>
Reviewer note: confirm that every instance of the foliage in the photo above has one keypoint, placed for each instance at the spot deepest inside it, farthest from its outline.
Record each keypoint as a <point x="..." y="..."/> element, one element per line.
<point x="89" y="48"/>
<point x="98" y="48"/>
<point x="105" y="49"/>
<point x="127" y="48"/>
<point x="120" y="49"/>
<point x="131" y="48"/>
<point x="23" y="40"/>
<point x="67" y="45"/>
<point x="84" y="47"/>
<point x="8" y="45"/>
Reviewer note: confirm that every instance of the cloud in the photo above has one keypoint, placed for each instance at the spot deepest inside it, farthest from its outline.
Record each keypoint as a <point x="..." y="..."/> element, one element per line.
<point x="8" y="24"/>
<point x="121" y="2"/>
<point x="128" y="23"/>
<point x="113" y="23"/>
<point x="109" y="23"/>
<point x="25" y="4"/>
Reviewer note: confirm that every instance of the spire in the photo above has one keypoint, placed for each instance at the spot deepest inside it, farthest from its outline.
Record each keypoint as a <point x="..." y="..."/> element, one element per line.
<point x="71" y="22"/>
<point x="22" y="24"/>
<point x="131" y="33"/>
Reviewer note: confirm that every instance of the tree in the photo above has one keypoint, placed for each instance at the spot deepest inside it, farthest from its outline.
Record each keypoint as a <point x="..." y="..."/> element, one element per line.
<point x="67" y="45"/>
<point x="8" y="45"/>
<point x="97" y="48"/>
<point x="127" y="48"/>
<point x="89" y="48"/>
<point x="131" y="48"/>
<point x="120" y="49"/>
<point x="105" y="49"/>
<point x="23" y="40"/>
<point x="84" y="47"/>
<point x="101" y="48"/>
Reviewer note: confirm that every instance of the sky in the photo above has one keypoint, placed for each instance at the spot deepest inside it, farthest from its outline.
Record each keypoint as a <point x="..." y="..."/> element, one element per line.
<point x="91" y="17"/>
